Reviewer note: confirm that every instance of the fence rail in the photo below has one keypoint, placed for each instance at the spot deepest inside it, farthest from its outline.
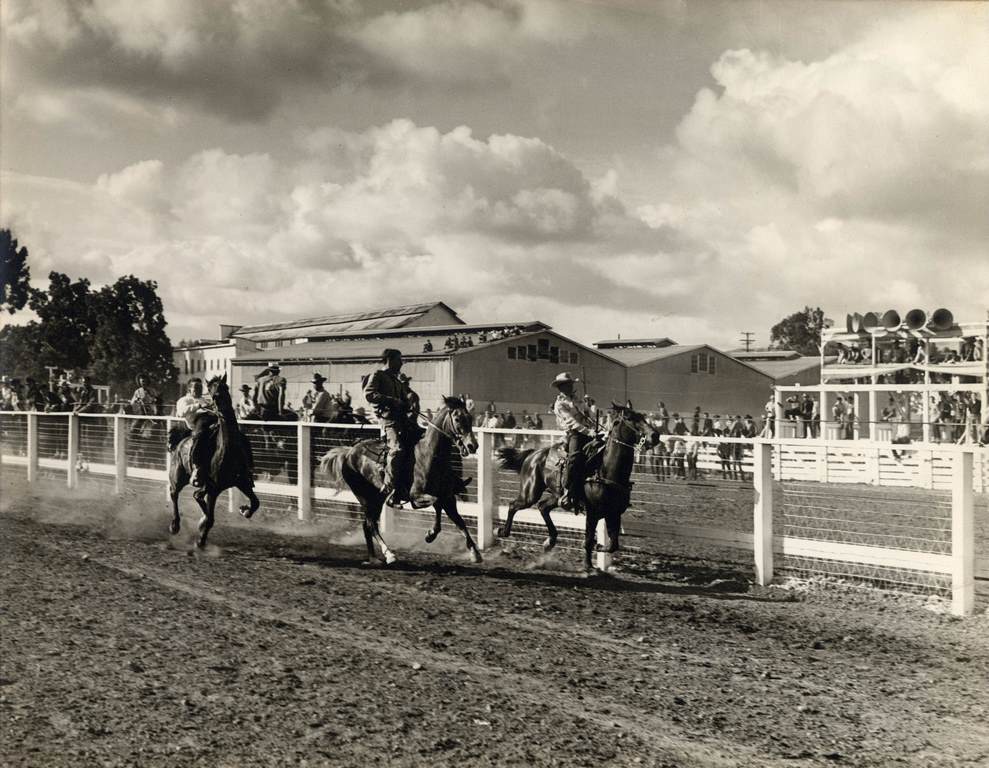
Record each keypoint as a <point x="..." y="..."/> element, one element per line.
<point x="784" y="500"/>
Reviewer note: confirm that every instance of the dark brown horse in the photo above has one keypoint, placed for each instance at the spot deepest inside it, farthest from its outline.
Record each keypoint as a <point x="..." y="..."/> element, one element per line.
<point x="607" y="492"/>
<point x="230" y="466"/>
<point x="437" y="474"/>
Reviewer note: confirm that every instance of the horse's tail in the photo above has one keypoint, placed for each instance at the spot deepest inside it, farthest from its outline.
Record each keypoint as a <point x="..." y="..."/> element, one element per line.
<point x="331" y="465"/>
<point x="512" y="459"/>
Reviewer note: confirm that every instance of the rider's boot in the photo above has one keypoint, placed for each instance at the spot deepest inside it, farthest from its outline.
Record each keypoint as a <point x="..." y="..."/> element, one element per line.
<point x="566" y="501"/>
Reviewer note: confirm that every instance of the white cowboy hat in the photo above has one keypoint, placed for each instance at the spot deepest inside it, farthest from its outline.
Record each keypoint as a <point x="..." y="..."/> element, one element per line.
<point x="564" y="377"/>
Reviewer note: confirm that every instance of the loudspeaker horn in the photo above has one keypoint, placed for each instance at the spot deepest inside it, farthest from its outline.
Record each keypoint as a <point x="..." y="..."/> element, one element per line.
<point x="891" y="319"/>
<point x="871" y="322"/>
<point x="848" y="324"/>
<point x="856" y="323"/>
<point x="915" y="319"/>
<point x="941" y="320"/>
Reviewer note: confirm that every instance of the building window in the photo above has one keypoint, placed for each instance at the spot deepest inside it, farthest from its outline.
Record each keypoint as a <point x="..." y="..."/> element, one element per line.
<point x="574" y="358"/>
<point x="511" y="353"/>
<point x="702" y="363"/>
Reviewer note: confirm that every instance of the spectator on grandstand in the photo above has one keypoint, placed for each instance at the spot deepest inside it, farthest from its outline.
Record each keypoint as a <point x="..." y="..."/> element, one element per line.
<point x="749" y="427"/>
<point x="769" y="416"/>
<point x="427" y="347"/>
<point x="537" y="421"/>
<point x="324" y="408"/>
<point x="482" y="337"/>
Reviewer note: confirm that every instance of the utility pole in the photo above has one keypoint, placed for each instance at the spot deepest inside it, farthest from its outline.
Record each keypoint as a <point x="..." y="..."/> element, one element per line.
<point x="747" y="340"/>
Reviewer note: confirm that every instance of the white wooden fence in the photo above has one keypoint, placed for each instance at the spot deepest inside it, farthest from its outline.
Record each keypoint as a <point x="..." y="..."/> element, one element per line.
<point x="105" y="445"/>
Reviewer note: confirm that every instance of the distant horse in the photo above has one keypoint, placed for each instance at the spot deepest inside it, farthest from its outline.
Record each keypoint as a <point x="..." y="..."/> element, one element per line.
<point x="230" y="466"/>
<point x="274" y="445"/>
<point x="437" y="474"/>
<point x="607" y="492"/>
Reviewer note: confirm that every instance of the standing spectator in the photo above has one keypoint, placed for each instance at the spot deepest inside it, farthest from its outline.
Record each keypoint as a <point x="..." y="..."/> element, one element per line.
<point x="468" y="403"/>
<point x="768" y="416"/>
<point x="508" y="420"/>
<point x="838" y="412"/>
<point x="246" y="408"/>
<point x="807" y="414"/>
<point x="748" y="427"/>
<point x="324" y="409"/>
<point x="679" y="427"/>
<point x="815" y="419"/>
<point x="719" y="425"/>
<point x="664" y="416"/>
<point x="32" y="397"/>
<point x="695" y="422"/>
<point x="143" y="399"/>
<point x="8" y="395"/>
<point x="707" y="430"/>
<point x="537" y="421"/>
<point x="269" y="393"/>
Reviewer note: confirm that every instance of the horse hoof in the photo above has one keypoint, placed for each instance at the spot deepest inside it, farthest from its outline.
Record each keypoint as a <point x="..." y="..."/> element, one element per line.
<point x="247" y="512"/>
<point x="501" y="533"/>
<point x="477" y="556"/>
<point x="390" y="558"/>
<point x="548" y="544"/>
<point x="431" y="536"/>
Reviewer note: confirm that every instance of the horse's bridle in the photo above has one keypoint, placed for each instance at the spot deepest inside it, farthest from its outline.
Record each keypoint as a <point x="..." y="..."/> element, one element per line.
<point x="612" y="438"/>
<point x="456" y="437"/>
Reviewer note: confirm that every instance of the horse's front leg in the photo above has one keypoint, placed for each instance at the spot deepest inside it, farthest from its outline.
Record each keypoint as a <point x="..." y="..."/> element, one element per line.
<point x="248" y="510"/>
<point x="613" y="523"/>
<point x="453" y="513"/>
<point x="206" y="524"/>
<point x="590" y="536"/>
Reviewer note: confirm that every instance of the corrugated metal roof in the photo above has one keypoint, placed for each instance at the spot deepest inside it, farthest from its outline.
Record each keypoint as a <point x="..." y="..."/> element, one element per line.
<point x="639" y="356"/>
<point x="387" y="317"/>
<point x="766" y="354"/>
<point x="619" y="343"/>
<point x="779" y="369"/>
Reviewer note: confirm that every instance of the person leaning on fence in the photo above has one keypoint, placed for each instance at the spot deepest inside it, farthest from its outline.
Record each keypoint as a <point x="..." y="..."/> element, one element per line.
<point x="579" y="429"/>
<point x="197" y="410"/>
<point x="396" y="407"/>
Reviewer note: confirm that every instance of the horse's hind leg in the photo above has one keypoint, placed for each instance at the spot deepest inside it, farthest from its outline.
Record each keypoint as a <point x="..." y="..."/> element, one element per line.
<point x="433" y="532"/>
<point x="176" y="482"/>
<point x="505" y="529"/>
<point x="544" y="506"/>
<point x="450" y="506"/>
<point x="373" y="519"/>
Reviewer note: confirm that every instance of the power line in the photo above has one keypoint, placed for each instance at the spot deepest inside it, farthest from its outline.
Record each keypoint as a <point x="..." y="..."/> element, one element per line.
<point x="747" y="340"/>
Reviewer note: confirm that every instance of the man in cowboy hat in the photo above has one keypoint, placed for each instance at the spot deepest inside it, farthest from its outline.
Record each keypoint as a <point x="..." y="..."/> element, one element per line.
<point x="579" y="427"/>
<point x="322" y="405"/>
<point x="246" y="408"/>
<point x="269" y="393"/>
<point x="396" y="407"/>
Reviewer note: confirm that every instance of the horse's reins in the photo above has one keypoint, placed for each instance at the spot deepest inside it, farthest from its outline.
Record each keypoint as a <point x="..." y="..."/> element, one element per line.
<point x="456" y="438"/>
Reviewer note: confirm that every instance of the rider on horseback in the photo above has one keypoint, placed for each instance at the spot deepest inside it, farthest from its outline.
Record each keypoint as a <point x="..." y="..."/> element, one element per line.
<point x="580" y="428"/>
<point x="397" y="409"/>
<point x="269" y="393"/>
<point x="197" y="410"/>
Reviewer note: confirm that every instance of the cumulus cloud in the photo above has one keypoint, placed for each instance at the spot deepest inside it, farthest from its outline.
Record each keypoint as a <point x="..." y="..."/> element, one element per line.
<point x="391" y="214"/>
<point x="852" y="182"/>
<point x="467" y="41"/>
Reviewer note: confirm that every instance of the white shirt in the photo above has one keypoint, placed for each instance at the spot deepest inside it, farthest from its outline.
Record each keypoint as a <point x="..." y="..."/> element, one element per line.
<point x="189" y="405"/>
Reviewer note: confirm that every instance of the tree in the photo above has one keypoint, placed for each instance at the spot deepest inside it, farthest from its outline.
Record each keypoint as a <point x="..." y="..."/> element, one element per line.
<point x="65" y="322"/>
<point x="129" y="336"/>
<point x="800" y="332"/>
<point x="15" y="275"/>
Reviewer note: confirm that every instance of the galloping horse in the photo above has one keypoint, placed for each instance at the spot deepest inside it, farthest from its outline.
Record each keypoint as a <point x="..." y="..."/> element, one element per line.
<point x="437" y="474"/>
<point x="230" y="466"/>
<point x="607" y="493"/>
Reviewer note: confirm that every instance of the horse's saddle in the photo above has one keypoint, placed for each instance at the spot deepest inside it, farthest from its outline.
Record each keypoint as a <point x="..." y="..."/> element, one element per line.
<point x="593" y="456"/>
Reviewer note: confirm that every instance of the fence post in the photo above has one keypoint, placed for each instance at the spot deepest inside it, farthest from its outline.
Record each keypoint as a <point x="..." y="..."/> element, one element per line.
<point x="762" y="513"/>
<point x="73" y="454"/>
<point x="603" y="558"/>
<point x="873" y="460"/>
<point x="32" y="447"/>
<point x="962" y="537"/>
<point x="485" y="490"/>
<point x="304" y="470"/>
<point x="119" y="452"/>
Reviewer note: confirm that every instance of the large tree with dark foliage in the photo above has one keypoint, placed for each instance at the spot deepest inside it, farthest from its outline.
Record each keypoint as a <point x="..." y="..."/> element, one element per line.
<point x="800" y="332"/>
<point x="15" y="275"/>
<point x="128" y="335"/>
<point x="116" y="332"/>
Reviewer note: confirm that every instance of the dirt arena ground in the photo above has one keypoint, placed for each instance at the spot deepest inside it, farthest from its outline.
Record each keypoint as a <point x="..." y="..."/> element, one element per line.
<point x="119" y="646"/>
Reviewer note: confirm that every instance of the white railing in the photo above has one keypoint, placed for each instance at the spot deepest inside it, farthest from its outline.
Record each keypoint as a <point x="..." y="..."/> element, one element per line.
<point x="124" y="447"/>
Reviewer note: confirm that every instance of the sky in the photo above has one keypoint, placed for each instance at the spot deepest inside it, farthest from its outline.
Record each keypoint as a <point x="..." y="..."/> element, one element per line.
<point x="610" y="167"/>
